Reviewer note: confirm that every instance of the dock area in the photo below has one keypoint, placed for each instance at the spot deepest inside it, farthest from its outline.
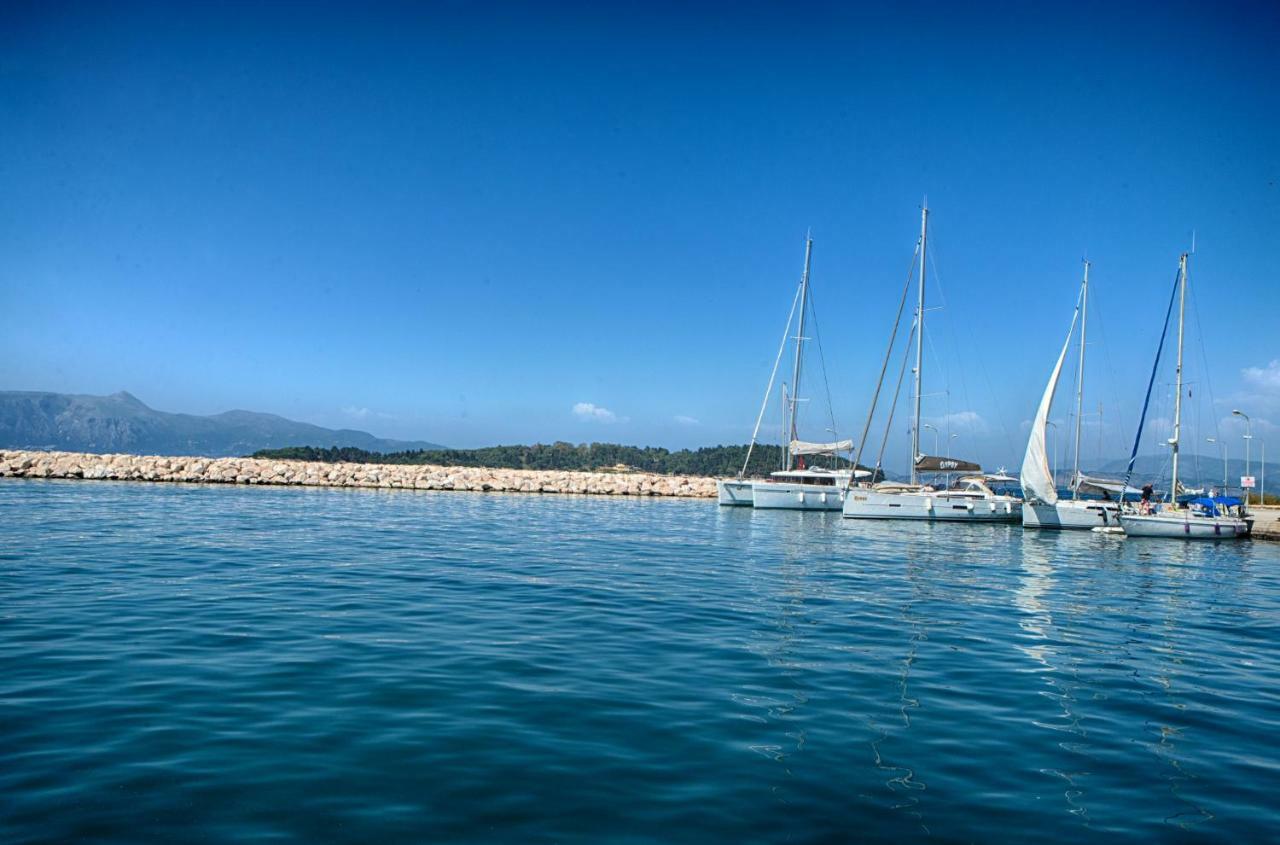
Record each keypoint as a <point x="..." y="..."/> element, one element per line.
<point x="1266" y="522"/>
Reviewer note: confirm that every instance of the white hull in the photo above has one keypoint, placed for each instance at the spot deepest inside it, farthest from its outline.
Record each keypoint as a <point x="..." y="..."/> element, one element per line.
<point x="783" y="495"/>
<point x="1183" y="526"/>
<point x="1070" y="514"/>
<point x="931" y="506"/>
<point x="734" y="492"/>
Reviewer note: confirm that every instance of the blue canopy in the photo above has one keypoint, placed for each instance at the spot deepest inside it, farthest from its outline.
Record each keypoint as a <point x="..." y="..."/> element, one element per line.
<point x="1215" y="501"/>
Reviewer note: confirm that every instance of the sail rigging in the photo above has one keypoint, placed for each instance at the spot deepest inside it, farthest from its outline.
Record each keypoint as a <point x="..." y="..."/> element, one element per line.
<point x="1146" y="402"/>
<point x="799" y="362"/>
<point x="782" y="347"/>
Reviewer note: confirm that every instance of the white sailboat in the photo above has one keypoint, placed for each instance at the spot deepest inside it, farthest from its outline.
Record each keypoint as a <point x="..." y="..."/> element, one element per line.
<point x="1202" y="518"/>
<point x="970" y="499"/>
<point x="1043" y="507"/>
<point x="808" y="488"/>
<point x="797" y="486"/>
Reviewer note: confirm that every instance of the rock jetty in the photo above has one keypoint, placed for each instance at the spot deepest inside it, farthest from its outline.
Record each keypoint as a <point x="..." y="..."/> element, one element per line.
<point x="30" y="464"/>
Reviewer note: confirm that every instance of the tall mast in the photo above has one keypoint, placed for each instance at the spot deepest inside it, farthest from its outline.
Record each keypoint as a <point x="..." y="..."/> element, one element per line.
<point x="1084" y="321"/>
<point x="795" y="376"/>
<point x="915" y="428"/>
<point x="1177" y="401"/>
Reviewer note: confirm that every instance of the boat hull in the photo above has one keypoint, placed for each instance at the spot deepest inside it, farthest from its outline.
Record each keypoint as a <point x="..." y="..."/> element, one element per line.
<point x="1070" y="515"/>
<point x="1185" y="527"/>
<point x="775" y="495"/>
<point x="931" y="507"/>
<point x="733" y="492"/>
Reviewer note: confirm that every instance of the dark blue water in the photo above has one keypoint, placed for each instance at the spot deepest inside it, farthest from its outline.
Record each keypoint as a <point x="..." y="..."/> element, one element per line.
<point x="200" y="664"/>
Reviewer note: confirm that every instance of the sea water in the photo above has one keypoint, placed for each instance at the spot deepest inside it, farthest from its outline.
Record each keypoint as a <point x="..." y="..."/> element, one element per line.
<point x="230" y="664"/>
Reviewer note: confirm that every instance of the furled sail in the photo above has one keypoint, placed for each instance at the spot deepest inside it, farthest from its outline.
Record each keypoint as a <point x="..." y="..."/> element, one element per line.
<point x="1112" y="486"/>
<point x="1037" y="480"/>
<point x="802" y="447"/>
<point x="930" y="463"/>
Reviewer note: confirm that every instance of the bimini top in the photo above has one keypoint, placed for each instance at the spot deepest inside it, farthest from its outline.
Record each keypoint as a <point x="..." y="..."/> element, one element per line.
<point x="1215" y="501"/>
<point x="801" y="447"/>
<point x="818" y="472"/>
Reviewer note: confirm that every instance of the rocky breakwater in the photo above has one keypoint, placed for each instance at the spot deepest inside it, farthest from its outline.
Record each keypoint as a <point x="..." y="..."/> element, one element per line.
<point x="28" y="464"/>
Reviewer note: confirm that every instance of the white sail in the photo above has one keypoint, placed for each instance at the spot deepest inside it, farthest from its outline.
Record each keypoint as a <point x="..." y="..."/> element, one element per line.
<point x="1037" y="480"/>
<point x="802" y="447"/>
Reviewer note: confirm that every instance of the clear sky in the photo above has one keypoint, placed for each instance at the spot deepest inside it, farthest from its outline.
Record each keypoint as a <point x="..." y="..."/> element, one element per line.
<point x="476" y="223"/>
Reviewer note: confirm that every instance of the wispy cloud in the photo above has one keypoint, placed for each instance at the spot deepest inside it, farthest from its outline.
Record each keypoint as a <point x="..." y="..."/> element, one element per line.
<point x="1260" y="399"/>
<point x="359" y="413"/>
<point x="966" y="421"/>
<point x="1266" y="378"/>
<point x="595" y="413"/>
<point x="683" y="420"/>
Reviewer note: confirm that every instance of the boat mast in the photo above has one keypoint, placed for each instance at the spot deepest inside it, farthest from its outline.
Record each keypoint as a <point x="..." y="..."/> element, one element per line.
<point x="795" y="375"/>
<point x="1084" y="320"/>
<point x="915" y="428"/>
<point x="1177" y="401"/>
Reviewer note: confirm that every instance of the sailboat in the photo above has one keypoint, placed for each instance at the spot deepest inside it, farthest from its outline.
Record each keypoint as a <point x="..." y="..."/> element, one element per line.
<point x="1043" y="508"/>
<point x="1202" y="517"/>
<point x="970" y="499"/>
<point x="796" y="486"/>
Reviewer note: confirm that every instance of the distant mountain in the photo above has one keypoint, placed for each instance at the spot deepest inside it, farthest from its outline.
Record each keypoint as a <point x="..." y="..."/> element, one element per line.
<point x="122" y="423"/>
<point x="1196" y="469"/>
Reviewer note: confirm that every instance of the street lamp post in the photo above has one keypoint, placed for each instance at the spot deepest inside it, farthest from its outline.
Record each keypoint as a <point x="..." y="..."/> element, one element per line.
<point x="1222" y="450"/>
<point x="935" y="436"/>
<point x="1248" y="435"/>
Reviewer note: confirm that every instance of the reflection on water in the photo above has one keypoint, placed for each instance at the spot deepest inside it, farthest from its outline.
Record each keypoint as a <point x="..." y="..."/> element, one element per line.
<point x="902" y="780"/>
<point x="204" y="663"/>
<point x="1060" y="677"/>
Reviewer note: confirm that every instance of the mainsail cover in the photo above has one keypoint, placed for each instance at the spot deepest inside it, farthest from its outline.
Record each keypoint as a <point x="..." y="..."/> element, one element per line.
<point x="1093" y="484"/>
<point x="1037" y="480"/>
<point x="930" y="463"/>
<point x="802" y="447"/>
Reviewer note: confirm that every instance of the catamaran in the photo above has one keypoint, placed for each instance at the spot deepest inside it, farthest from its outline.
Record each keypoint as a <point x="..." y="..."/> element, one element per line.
<point x="796" y="486"/>
<point x="1203" y="517"/>
<point x="1043" y="507"/>
<point x="970" y="499"/>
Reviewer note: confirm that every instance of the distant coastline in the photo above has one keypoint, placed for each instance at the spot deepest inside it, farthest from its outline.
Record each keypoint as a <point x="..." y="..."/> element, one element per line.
<point x="707" y="461"/>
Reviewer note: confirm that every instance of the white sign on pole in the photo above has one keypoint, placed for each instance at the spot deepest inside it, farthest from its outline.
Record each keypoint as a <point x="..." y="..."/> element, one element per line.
<point x="1246" y="481"/>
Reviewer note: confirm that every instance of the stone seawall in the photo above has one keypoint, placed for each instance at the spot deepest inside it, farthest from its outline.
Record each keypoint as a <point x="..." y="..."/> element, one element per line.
<point x="28" y="464"/>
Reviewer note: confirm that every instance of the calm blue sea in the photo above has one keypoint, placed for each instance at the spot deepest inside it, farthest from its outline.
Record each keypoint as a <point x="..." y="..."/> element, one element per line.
<point x="222" y="664"/>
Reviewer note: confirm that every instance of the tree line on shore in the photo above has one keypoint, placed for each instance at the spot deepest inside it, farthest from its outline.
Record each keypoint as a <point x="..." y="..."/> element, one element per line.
<point x="708" y="461"/>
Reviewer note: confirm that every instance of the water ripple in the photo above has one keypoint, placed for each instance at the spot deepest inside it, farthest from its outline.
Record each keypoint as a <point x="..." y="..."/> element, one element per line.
<point x="224" y="664"/>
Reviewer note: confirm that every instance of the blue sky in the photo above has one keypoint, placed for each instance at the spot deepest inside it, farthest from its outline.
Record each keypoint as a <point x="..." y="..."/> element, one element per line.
<point x="478" y="223"/>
